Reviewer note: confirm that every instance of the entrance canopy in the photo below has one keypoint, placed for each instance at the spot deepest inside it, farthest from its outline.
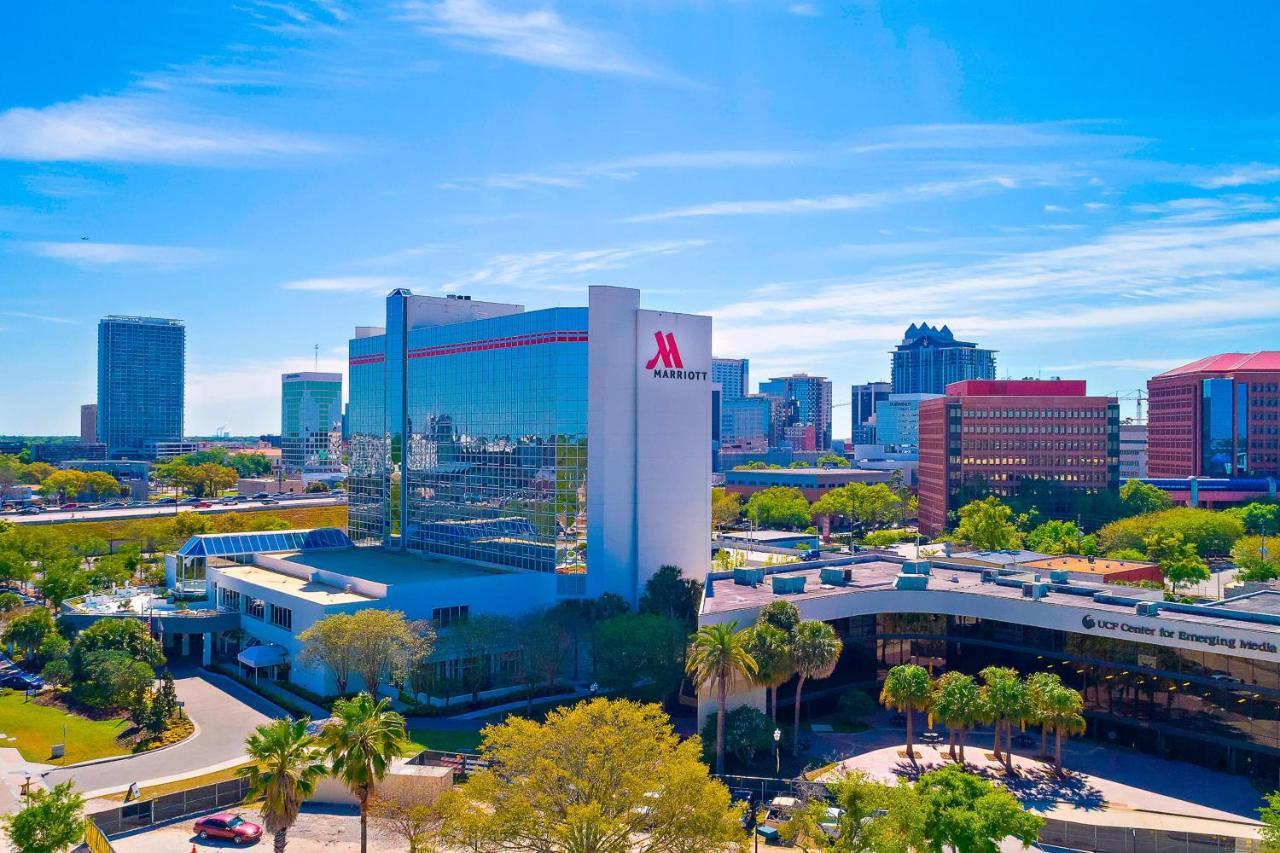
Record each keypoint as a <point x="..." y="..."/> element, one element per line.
<point x="258" y="657"/>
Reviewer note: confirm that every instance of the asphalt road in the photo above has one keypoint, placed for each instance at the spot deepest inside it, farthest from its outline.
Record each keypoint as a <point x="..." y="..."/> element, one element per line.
<point x="224" y="713"/>
<point x="59" y="516"/>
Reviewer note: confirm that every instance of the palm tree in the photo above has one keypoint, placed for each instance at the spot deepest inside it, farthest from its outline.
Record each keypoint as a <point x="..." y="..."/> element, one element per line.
<point x="718" y="655"/>
<point x="771" y="648"/>
<point x="815" y="651"/>
<point x="366" y="737"/>
<point x="286" y="766"/>
<point x="908" y="688"/>
<point x="957" y="701"/>
<point x="1062" y="713"/>
<point x="1010" y="705"/>
<point x="1040" y="685"/>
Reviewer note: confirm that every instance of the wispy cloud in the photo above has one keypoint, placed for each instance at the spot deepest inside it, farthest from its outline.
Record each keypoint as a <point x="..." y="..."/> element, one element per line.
<point x="939" y="137"/>
<point x="537" y="37"/>
<point x="549" y="269"/>
<point x="136" y="128"/>
<point x="400" y="256"/>
<point x="823" y="204"/>
<point x="43" y="318"/>
<point x="804" y="10"/>
<point x="64" y="186"/>
<point x="349" y="284"/>
<point x="1253" y="173"/>
<point x="89" y="254"/>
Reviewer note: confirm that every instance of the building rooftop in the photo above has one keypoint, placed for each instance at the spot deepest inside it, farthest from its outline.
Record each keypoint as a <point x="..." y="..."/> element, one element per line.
<point x="387" y="567"/>
<point x="1017" y="388"/>
<point x="1228" y="362"/>
<point x="766" y="536"/>
<point x="1000" y="559"/>
<point x="1077" y="563"/>
<point x="782" y="473"/>
<point x="308" y="590"/>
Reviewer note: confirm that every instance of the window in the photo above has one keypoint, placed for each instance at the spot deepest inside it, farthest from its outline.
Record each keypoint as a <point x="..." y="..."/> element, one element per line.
<point x="231" y="599"/>
<point x="255" y="608"/>
<point x="282" y="616"/>
<point x="443" y="617"/>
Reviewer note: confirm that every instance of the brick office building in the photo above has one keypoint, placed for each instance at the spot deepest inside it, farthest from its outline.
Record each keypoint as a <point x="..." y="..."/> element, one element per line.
<point x="1216" y="417"/>
<point x="999" y="432"/>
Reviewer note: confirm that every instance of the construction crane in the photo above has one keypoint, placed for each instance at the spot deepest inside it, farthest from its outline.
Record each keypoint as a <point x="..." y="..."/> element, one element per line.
<point x="1136" y="395"/>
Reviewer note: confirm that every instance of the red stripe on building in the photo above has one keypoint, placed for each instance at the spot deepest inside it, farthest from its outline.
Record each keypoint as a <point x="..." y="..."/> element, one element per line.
<point x="368" y="359"/>
<point x="534" y="339"/>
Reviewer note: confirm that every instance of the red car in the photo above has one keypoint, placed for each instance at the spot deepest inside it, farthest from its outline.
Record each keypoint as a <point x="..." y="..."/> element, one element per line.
<point x="228" y="825"/>
<point x="68" y="506"/>
<point x="202" y="505"/>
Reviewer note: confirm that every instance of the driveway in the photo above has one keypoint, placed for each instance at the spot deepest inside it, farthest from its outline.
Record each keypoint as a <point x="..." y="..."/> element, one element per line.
<point x="224" y="713"/>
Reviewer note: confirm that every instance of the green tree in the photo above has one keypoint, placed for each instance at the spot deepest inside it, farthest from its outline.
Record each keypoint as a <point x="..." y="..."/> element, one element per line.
<point x="113" y="679"/>
<point x="101" y="485"/>
<point x="387" y="644"/>
<point x="781" y="614"/>
<point x="957" y="702"/>
<point x="964" y="812"/>
<point x="770" y="647"/>
<point x="53" y="647"/>
<point x="726" y="508"/>
<point x="1213" y="533"/>
<point x="1258" y="558"/>
<point x="1258" y="518"/>
<point x="1270" y="817"/>
<point x="1139" y="498"/>
<point x="1060" y="537"/>
<point x="50" y="821"/>
<point x="63" y="580"/>
<point x="1040" y="686"/>
<point x="365" y="737"/>
<point x="1179" y="562"/>
<point x="29" y="630"/>
<point x="669" y="593"/>
<point x="641" y="654"/>
<point x="63" y="485"/>
<point x="987" y="525"/>
<point x="832" y="460"/>
<point x="815" y="651"/>
<point x="250" y="464"/>
<point x="876" y="818"/>
<point x="907" y="688"/>
<point x="330" y="642"/>
<point x="125" y="635"/>
<point x="1008" y="703"/>
<point x="603" y="775"/>
<point x="779" y="506"/>
<point x="747" y="733"/>
<point x="718" y="657"/>
<point x="1063" y="712"/>
<point x="286" y="764"/>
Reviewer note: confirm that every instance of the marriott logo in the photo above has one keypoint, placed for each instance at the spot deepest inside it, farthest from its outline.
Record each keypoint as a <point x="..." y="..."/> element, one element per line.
<point x="668" y="355"/>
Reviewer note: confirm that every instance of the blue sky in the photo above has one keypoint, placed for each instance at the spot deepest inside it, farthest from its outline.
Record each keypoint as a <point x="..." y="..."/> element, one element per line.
<point x="1092" y="189"/>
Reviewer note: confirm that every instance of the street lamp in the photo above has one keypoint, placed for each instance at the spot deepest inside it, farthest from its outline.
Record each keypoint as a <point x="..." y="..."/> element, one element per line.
<point x="777" y="753"/>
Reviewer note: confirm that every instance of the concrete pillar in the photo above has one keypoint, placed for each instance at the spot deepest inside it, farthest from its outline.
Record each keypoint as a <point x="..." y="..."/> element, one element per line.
<point x="207" y="657"/>
<point x="186" y="644"/>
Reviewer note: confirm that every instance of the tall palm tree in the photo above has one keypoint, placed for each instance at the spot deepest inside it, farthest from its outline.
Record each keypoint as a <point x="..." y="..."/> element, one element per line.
<point x="718" y="655"/>
<point x="957" y="701"/>
<point x="1063" y="711"/>
<point x="771" y="648"/>
<point x="286" y="766"/>
<point x="360" y="745"/>
<point x="815" y="651"/>
<point x="1010" y="705"/>
<point x="907" y="688"/>
<point x="1040" y="685"/>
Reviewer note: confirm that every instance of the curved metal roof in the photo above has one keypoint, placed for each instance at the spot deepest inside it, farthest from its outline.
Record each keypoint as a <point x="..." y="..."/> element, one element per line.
<point x="264" y="542"/>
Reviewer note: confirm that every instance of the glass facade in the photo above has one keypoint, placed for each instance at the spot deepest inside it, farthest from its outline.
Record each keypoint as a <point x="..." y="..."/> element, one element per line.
<point x="473" y="442"/>
<point x="1224" y="428"/>
<point x="192" y="559"/>
<point x="310" y="419"/>
<point x="141" y="382"/>
<point x="812" y="396"/>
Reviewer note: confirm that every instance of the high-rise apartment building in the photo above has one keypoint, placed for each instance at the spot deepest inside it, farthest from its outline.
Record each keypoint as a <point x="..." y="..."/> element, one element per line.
<point x="930" y="358"/>
<point x="812" y="396"/>
<point x="566" y="442"/>
<point x="1216" y="417"/>
<point x="89" y="423"/>
<point x="989" y="436"/>
<point x="733" y="375"/>
<point x="141" y="382"/>
<point x="863" y="406"/>
<point x="310" y="419"/>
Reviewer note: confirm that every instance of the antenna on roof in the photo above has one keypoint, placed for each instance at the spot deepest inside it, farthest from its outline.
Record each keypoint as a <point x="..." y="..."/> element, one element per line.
<point x="317" y="348"/>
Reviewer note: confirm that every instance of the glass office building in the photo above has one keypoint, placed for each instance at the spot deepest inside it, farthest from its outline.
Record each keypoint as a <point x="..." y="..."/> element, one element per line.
<point x="812" y="396"/>
<point x="310" y="419"/>
<point x="141" y="382"/>
<point x="929" y="359"/>
<point x="489" y="460"/>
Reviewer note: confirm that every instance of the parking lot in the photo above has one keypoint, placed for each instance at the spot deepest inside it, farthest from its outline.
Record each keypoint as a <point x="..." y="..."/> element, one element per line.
<point x="319" y="830"/>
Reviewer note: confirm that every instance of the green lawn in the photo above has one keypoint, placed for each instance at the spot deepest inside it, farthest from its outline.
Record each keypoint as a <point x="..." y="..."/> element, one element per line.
<point x="446" y="741"/>
<point x="35" y="728"/>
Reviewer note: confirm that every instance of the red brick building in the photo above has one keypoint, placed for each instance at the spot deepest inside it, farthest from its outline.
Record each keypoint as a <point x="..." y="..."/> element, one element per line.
<point x="999" y="432"/>
<point x="1216" y="417"/>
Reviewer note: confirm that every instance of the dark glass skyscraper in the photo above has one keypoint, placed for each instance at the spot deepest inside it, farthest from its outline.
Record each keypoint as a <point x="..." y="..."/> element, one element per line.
<point x="141" y="382"/>
<point x="930" y="358"/>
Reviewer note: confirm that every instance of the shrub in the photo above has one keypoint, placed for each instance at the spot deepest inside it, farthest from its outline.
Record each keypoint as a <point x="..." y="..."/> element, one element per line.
<point x="748" y="733"/>
<point x="1213" y="533"/>
<point x="891" y="536"/>
<point x="57" y="672"/>
<point x="855" y="706"/>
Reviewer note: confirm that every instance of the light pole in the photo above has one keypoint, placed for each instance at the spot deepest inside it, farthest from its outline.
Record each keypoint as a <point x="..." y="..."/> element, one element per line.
<point x="777" y="751"/>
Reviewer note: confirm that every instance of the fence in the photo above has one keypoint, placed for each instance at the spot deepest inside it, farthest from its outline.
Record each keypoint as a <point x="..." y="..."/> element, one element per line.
<point x="462" y="763"/>
<point x="95" y="840"/>
<point x="1120" y="839"/>
<point x="145" y="813"/>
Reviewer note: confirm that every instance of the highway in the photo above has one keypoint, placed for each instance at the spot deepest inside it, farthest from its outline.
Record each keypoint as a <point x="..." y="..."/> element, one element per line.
<point x="61" y="516"/>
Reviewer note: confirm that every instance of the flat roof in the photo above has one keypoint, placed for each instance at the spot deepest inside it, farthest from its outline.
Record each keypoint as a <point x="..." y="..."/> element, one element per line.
<point x="850" y="473"/>
<point x="388" y="567"/>
<point x="765" y="535"/>
<point x="1077" y="563"/>
<point x="999" y="558"/>
<point x="297" y="587"/>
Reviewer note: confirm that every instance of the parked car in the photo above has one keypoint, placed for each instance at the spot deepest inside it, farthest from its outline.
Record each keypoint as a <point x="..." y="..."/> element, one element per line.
<point x="811" y="554"/>
<point x="114" y="505"/>
<point x="261" y="495"/>
<point x="268" y="502"/>
<point x="189" y="501"/>
<point x="202" y="504"/>
<point x="70" y="506"/>
<point x="30" y="510"/>
<point x="8" y="508"/>
<point x="228" y="825"/>
<point x="229" y="501"/>
<point x="166" y="502"/>
<point x="19" y="680"/>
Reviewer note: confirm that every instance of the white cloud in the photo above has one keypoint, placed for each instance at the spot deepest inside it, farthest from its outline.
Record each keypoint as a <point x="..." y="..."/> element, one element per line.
<point x="349" y="284"/>
<point x="246" y="395"/>
<point x="1055" y="208"/>
<point x="44" y="318"/>
<point x="399" y="256"/>
<point x="86" y="253"/>
<point x="805" y="10"/>
<point x="542" y="270"/>
<point x="1253" y="173"/>
<point x="135" y="128"/>
<point x="821" y="204"/>
<point x="537" y="37"/>
<point x="935" y="137"/>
